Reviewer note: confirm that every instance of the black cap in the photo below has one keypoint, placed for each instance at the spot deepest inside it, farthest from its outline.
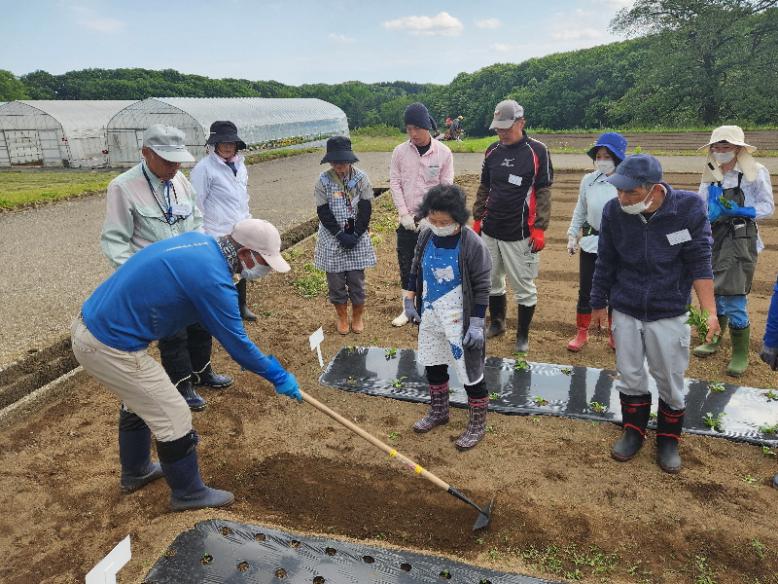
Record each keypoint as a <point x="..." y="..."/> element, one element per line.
<point x="225" y="132"/>
<point x="339" y="150"/>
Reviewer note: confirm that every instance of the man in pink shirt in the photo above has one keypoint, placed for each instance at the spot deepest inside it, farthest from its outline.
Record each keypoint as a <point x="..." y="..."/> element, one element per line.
<point x="417" y="165"/>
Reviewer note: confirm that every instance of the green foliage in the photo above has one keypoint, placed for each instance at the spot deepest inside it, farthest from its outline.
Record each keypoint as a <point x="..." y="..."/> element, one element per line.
<point x="714" y="422"/>
<point x="699" y="320"/>
<point x="11" y="88"/>
<point x="311" y="282"/>
<point x="20" y="188"/>
<point x="717" y="387"/>
<point x="703" y="572"/>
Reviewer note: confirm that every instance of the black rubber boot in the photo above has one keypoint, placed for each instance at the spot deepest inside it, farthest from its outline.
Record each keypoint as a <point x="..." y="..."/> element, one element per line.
<point x="669" y="425"/>
<point x="635" y="411"/>
<point x="775" y="481"/>
<point x="522" y="328"/>
<point x="193" y="399"/>
<point x="209" y="378"/>
<point x="135" y="453"/>
<point x="497" y="309"/>
<point x="245" y="312"/>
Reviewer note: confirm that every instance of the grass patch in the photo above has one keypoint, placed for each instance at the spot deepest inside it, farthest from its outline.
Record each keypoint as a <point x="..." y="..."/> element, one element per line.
<point x="311" y="282"/>
<point x="275" y="154"/>
<point x="24" y="188"/>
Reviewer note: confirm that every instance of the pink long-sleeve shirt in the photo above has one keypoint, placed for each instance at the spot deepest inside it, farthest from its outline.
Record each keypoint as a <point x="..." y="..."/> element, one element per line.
<point x="411" y="175"/>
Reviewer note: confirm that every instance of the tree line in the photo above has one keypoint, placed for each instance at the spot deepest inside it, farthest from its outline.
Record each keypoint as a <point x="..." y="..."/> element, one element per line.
<point x="691" y="63"/>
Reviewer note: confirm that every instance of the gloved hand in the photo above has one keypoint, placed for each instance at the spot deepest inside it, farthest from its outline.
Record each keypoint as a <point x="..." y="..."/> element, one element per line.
<point x="289" y="388"/>
<point x="770" y="356"/>
<point x="738" y="211"/>
<point x="714" y="206"/>
<point x="474" y="337"/>
<point x="407" y="222"/>
<point x="477" y="226"/>
<point x="537" y="239"/>
<point x="572" y="245"/>
<point x="410" y="310"/>
<point x="347" y="240"/>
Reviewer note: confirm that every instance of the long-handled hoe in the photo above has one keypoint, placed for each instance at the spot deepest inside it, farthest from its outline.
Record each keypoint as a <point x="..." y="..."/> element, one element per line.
<point x="484" y="514"/>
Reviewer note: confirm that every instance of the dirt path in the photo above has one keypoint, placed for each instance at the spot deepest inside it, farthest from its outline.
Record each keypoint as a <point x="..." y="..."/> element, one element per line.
<point x="565" y="510"/>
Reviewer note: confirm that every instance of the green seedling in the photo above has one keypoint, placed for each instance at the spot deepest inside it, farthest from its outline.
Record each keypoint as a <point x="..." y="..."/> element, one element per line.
<point x="539" y="401"/>
<point x="725" y="202"/>
<point x="771" y="395"/>
<point x="376" y="239"/>
<point x="479" y="540"/>
<point x="749" y="479"/>
<point x="445" y="574"/>
<point x="717" y="387"/>
<point x="394" y="436"/>
<point x="767" y="451"/>
<point x="398" y="383"/>
<point x="351" y="348"/>
<point x="535" y="420"/>
<point x="494" y="554"/>
<point x="491" y="429"/>
<point x="598" y="408"/>
<point x="566" y="370"/>
<point x="714" y="422"/>
<point x="759" y="548"/>
<point x="699" y="320"/>
<point x="494" y="395"/>
<point x="766" y="429"/>
<point x="521" y="365"/>
<point x="652" y="416"/>
<point x="390" y="353"/>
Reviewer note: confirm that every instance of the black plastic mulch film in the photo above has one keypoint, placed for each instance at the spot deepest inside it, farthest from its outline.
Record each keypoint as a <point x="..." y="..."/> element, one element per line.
<point x="519" y="387"/>
<point x="216" y="552"/>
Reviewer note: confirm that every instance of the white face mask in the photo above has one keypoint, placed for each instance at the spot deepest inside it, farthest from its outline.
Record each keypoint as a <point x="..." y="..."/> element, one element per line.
<point x="724" y="157"/>
<point x="638" y="208"/>
<point x="444" y="231"/>
<point x="255" y="273"/>
<point x="605" y="166"/>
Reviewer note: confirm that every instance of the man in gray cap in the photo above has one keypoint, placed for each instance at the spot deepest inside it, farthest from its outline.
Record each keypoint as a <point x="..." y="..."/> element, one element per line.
<point x="150" y="202"/>
<point x="655" y="246"/>
<point x="511" y="211"/>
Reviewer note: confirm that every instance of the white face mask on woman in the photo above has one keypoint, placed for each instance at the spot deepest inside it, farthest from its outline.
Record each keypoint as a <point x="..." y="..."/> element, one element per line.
<point x="255" y="273"/>
<point x="724" y="157"/>
<point x="444" y="231"/>
<point x="605" y="166"/>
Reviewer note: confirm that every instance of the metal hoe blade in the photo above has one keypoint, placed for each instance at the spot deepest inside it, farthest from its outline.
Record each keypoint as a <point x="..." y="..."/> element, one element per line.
<point x="484" y="515"/>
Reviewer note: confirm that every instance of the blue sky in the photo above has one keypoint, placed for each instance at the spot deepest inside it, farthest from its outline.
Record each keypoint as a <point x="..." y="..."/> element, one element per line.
<point x="297" y="41"/>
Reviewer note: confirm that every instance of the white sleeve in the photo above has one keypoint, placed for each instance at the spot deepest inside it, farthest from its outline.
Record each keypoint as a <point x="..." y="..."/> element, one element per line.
<point x="763" y="194"/>
<point x="579" y="214"/>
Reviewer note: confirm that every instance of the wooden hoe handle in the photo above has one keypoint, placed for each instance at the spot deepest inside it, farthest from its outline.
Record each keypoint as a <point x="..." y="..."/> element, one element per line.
<point x="418" y="469"/>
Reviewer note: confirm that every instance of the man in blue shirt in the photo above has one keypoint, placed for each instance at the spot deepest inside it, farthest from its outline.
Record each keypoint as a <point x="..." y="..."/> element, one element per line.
<point x="655" y="245"/>
<point x="192" y="282"/>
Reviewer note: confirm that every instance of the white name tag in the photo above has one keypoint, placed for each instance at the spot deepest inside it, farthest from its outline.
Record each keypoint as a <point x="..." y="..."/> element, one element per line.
<point x="181" y="209"/>
<point x="514" y="179"/>
<point x="681" y="236"/>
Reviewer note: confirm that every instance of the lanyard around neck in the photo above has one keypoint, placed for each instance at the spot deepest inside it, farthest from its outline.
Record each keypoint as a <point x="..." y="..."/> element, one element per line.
<point x="166" y="198"/>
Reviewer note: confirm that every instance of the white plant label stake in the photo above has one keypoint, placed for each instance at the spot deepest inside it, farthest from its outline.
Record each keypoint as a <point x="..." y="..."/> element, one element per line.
<point x="316" y="339"/>
<point x="105" y="570"/>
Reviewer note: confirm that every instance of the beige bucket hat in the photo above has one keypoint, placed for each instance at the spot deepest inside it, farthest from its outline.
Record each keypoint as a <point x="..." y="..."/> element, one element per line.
<point x="745" y="161"/>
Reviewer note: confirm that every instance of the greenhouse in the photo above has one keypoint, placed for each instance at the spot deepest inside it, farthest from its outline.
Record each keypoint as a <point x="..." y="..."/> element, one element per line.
<point x="263" y="123"/>
<point x="69" y="133"/>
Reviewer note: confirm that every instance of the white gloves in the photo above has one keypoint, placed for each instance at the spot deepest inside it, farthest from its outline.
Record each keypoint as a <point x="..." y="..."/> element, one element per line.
<point x="572" y="245"/>
<point x="407" y="222"/>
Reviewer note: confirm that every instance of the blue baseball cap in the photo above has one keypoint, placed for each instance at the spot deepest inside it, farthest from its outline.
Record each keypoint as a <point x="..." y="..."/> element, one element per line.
<point x="636" y="170"/>
<point x="614" y="142"/>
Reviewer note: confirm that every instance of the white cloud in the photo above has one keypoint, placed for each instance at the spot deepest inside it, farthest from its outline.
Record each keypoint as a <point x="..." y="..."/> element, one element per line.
<point x="341" y="39"/>
<point x="87" y="18"/>
<point x="616" y="4"/>
<point x="442" y="24"/>
<point x="576" y="33"/>
<point x="488" y="23"/>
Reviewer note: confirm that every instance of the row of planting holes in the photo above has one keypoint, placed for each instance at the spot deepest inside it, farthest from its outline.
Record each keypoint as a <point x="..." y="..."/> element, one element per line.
<point x="280" y="573"/>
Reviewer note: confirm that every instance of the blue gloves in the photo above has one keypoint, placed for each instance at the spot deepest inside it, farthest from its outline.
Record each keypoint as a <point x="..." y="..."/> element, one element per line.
<point x="474" y="337"/>
<point x="347" y="240"/>
<point x="289" y="388"/>
<point x="410" y="310"/>
<point x="716" y="209"/>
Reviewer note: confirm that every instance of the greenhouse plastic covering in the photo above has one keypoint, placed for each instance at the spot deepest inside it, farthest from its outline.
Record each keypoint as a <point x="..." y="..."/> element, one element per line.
<point x="745" y="414"/>
<point x="219" y="551"/>
<point x="56" y="132"/>
<point x="261" y="122"/>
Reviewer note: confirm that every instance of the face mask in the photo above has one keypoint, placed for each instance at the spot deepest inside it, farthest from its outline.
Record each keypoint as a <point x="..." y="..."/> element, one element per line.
<point x="255" y="273"/>
<point x="605" y="166"/>
<point x="638" y="207"/>
<point x="724" y="157"/>
<point x="444" y="231"/>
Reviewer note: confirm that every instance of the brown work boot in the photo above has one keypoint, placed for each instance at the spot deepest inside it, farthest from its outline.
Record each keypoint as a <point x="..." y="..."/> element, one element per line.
<point x="437" y="415"/>
<point x="342" y="323"/>
<point x="357" y="323"/>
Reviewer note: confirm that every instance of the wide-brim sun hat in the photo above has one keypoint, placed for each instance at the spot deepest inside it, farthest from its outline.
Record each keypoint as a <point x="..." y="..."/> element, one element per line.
<point x="615" y="143"/>
<point x="339" y="150"/>
<point x="262" y="237"/>
<point x="225" y="131"/>
<point x="732" y="135"/>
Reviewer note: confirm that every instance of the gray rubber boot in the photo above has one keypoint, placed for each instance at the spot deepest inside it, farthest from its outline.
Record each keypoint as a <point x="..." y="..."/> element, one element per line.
<point x="522" y="328"/>
<point x="135" y="453"/>
<point x="635" y="412"/>
<point x="497" y="310"/>
<point x="669" y="425"/>
<point x="188" y="490"/>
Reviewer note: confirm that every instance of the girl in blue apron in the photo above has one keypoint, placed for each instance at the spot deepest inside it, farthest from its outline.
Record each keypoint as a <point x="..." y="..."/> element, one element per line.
<point x="344" y="204"/>
<point x="447" y="294"/>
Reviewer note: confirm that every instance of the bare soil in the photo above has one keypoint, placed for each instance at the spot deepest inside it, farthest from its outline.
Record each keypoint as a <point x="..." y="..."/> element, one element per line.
<point x="564" y="509"/>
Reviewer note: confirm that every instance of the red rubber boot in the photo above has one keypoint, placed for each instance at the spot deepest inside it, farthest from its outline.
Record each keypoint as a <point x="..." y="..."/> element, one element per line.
<point x="582" y="336"/>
